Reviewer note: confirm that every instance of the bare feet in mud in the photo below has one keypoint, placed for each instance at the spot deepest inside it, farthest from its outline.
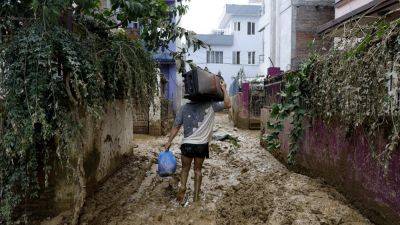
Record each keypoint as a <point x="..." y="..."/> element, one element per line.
<point x="180" y="197"/>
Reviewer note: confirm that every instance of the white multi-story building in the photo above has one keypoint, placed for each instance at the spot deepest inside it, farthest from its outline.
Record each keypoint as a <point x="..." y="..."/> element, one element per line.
<point x="288" y="29"/>
<point x="235" y="45"/>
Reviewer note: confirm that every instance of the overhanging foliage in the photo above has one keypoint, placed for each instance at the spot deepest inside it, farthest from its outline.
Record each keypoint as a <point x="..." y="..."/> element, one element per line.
<point x="61" y="61"/>
<point x="356" y="83"/>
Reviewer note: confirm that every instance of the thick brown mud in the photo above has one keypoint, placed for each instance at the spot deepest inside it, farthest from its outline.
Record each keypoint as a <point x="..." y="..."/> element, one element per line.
<point x="241" y="185"/>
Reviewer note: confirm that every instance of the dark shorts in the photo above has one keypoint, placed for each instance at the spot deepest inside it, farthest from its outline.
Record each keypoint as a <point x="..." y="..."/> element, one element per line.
<point x="195" y="151"/>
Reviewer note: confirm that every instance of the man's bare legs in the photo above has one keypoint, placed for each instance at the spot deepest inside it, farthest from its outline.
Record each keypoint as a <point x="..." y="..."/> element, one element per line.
<point x="186" y="163"/>
<point x="198" y="164"/>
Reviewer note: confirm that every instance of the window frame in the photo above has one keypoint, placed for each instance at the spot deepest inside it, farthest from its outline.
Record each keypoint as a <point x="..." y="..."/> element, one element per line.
<point x="236" y="57"/>
<point x="215" y="57"/>
<point x="251" y="28"/>
<point x="251" y="58"/>
<point x="236" y="26"/>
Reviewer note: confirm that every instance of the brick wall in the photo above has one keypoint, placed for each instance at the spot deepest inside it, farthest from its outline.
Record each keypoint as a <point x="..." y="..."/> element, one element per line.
<point x="307" y="18"/>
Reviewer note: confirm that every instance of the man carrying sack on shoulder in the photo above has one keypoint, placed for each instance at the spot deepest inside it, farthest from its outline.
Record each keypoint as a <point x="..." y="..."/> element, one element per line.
<point x="197" y="119"/>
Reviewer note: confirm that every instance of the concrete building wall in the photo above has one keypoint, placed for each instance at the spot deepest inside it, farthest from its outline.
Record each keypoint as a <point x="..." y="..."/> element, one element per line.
<point x="276" y="24"/>
<point x="343" y="7"/>
<point x="285" y="33"/>
<point x="266" y="49"/>
<point x="227" y="69"/>
<point x="241" y="42"/>
<point x="289" y="28"/>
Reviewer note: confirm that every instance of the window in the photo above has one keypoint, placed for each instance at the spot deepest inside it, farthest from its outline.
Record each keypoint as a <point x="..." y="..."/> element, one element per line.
<point x="215" y="57"/>
<point x="251" y="57"/>
<point x="251" y="28"/>
<point x="235" y="57"/>
<point x="237" y="26"/>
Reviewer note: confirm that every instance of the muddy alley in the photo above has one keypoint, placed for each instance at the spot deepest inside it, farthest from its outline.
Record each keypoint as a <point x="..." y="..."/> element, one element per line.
<point x="242" y="184"/>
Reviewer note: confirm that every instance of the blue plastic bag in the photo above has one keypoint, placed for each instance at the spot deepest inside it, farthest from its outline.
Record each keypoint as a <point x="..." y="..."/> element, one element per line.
<point x="166" y="164"/>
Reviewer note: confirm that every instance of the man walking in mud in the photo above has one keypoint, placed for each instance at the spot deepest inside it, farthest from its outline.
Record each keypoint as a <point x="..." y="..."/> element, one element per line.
<point x="197" y="119"/>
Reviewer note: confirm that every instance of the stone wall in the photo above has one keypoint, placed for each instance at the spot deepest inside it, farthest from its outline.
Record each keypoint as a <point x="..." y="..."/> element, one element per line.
<point x="344" y="160"/>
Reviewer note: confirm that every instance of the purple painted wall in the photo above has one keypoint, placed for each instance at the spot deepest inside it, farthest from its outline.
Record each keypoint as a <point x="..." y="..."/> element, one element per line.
<point x="274" y="71"/>
<point x="168" y="69"/>
<point x="170" y="73"/>
<point x="345" y="161"/>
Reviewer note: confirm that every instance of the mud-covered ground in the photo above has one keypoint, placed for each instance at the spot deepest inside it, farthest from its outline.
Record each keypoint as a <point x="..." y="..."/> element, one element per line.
<point x="241" y="185"/>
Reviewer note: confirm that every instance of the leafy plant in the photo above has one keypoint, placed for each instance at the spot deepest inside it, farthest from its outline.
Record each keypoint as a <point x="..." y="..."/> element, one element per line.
<point x="293" y="106"/>
<point x="355" y="82"/>
<point x="61" y="61"/>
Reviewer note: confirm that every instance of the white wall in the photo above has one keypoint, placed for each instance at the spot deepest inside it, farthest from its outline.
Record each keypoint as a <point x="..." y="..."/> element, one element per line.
<point x="227" y="69"/>
<point x="278" y="33"/>
<point x="348" y="6"/>
<point x="241" y="42"/>
<point x="285" y="37"/>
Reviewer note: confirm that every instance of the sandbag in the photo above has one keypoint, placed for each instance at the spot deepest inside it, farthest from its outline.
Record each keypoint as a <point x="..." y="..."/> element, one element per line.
<point x="201" y="85"/>
<point x="166" y="164"/>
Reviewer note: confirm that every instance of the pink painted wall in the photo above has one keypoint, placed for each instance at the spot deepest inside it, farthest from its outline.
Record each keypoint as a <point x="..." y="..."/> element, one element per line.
<point x="345" y="161"/>
<point x="245" y="100"/>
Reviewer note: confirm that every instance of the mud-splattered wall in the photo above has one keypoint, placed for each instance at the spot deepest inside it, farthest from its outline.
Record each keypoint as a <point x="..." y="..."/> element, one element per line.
<point x="104" y="143"/>
<point x="240" y="115"/>
<point x="344" y="160"/>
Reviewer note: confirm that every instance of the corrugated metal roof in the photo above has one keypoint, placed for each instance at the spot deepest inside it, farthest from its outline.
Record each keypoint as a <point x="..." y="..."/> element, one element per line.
<point x="216" y="39"/>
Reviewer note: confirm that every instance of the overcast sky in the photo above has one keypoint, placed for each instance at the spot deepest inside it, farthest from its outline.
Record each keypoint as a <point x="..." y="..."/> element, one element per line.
<point x="204" y="15"/>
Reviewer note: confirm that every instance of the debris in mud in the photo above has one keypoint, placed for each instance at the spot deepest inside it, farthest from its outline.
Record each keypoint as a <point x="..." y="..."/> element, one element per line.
<point x="221" y="136"/>
<point x="244" y="170"/>
<point x="215" y="148"/>
<point x="224" y="136"/>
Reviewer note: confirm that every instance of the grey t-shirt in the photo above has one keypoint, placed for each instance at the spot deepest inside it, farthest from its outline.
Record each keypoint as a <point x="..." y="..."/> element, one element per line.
<point x="197" y="119"/>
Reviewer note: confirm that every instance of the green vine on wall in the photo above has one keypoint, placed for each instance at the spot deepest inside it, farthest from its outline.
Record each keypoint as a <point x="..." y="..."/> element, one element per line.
<point x="62" y="61"/>
<point x="294" y="101"/>
<point x="356" y="82"/>
<point x="51" y="81"/>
